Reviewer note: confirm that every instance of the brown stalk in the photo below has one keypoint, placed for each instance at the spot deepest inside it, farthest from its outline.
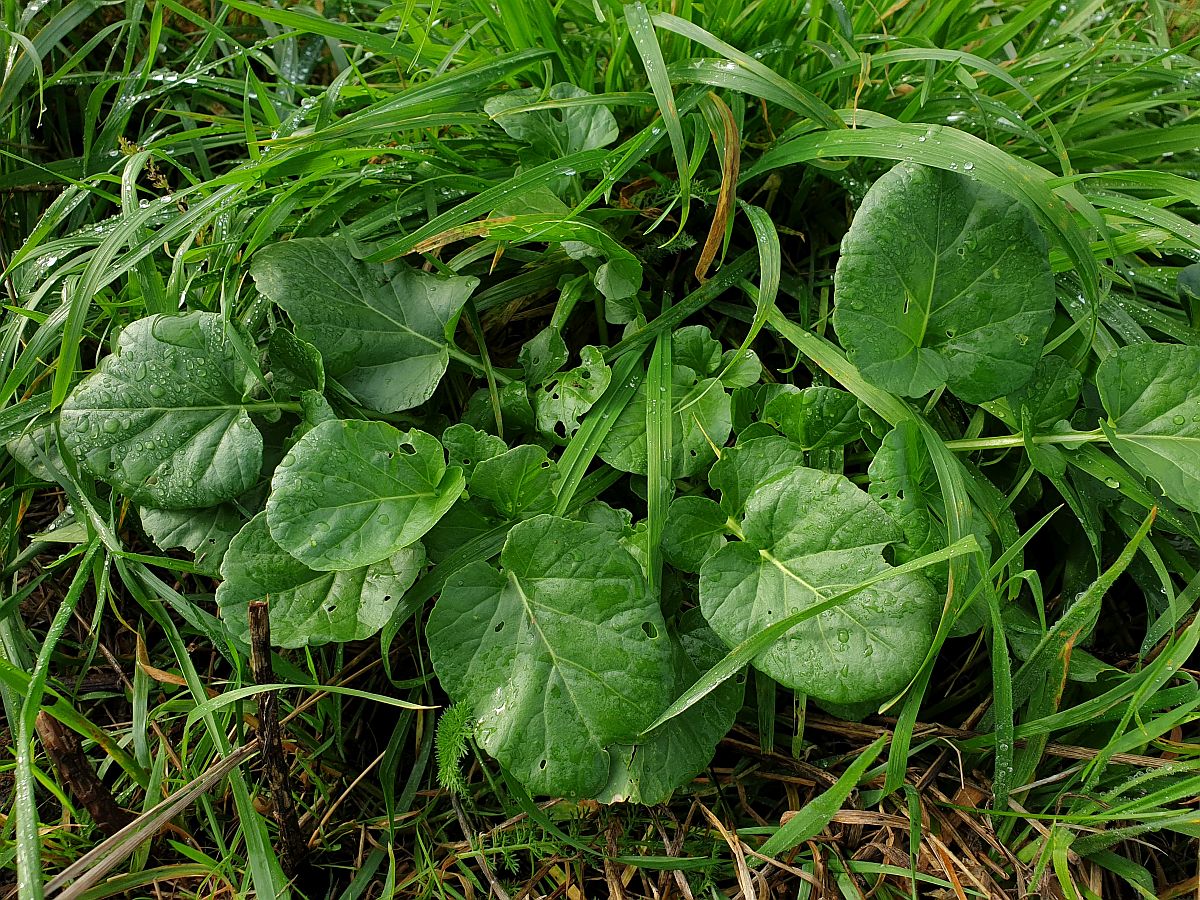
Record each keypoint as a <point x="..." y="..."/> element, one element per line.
<point x="80" y="779"/>
<point x="275" y="769"/>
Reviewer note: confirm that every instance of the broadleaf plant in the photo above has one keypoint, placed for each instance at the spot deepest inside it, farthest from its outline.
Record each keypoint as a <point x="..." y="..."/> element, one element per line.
<point x="943" y="281"/>
<point x="596" y="548"/>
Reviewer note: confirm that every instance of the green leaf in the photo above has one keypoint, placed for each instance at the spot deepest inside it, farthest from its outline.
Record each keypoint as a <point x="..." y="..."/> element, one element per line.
<point x="543" y="355"/>
<point x="466" y="521"/>
<point x="519" y="482"/>
<point x="904" y="483"/>
<point x="695" y="347"/>
<point x="466" y="447"/>
<point x="352" y="493"/>
<point x="943" y="281"/>
<point x="677" y="752"/>
<point x="308" y="607"/>
<point x="560" y="656"/>
<point x="163" y="420"/>
<point x="553" y="132"/>
<point x="296" y="365"/>
<point x="1051" y="394"/>
<point x="816" y="417"/>
<point x="382" y="328"/>
<point x="205" y="532"/>
<point x="695" y="529"/>
<point x="740" y="370"/>
<point x="809" y="535"/>
<point x="1151" y="393"/>
<point x="748" y="464"/>
<point x="562" y="402"/>
<point x="701" y="414"/>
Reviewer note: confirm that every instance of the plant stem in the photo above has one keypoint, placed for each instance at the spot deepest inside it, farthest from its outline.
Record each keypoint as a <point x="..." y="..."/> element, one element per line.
<point x="1017" y="440"/>
<point x="286" y="406"/>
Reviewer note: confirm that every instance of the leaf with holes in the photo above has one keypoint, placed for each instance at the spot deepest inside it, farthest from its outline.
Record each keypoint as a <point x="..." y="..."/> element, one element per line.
<point x="381" y="328"/>
<point x="943" y="281"/>
<point x="561" y="654"/>
<point x="352" y="493"/>
<point x="165" y="419"/>
<point x="518" y="483"/>
<point x="563" y="400"/>
<point x="809" y="535"/>
<point x="308" y="607"/>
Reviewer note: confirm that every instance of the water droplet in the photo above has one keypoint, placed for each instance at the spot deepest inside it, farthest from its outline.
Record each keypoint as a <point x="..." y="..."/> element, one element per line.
<point x="968" y="166"/>
<point x="1112" y="483"/>
<point x="111" y="426"/>
<point x="1179" y="420"/>
<point x="843" y="635"/>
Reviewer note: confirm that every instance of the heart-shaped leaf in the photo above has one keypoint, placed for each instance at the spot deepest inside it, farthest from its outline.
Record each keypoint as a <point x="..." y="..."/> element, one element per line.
<point x="352" y="493"/>
<point x="694" y="530"/>
<point x="560" y="655"/>
<point x="748" y="464"/>
<point x="308" y="607"/>
<point x="702" y="419"/>
<point x="943" y="281"/>
<point x="1151" y="393"/>
<point x="380" y="327"/>
<point x="808" y="536"/>
<point x="1051" y="394"/>
<point x="554" y="133"/>
<point x="164" y="419"/>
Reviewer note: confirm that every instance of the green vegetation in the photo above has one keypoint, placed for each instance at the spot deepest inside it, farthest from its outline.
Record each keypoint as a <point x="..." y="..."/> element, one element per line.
<point x="703" y="449"/>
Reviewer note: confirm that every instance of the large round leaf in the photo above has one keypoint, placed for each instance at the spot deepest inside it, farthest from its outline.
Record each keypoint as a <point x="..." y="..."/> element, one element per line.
<point x="943" y="281"/>
<point x="352" y="493"/>
<point x="380" y="327"/>
<point x="307" y="606"/>
<point x="561" y="655"/>
<point x="1152" y="395"/>
<point x="810" y="535"/>
<point x="163" y="419"/>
